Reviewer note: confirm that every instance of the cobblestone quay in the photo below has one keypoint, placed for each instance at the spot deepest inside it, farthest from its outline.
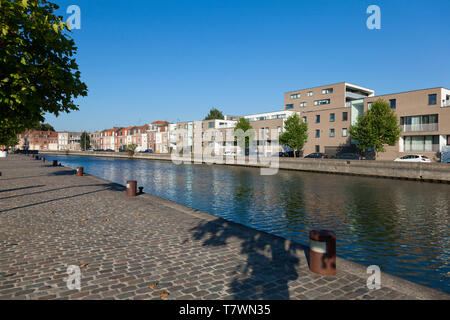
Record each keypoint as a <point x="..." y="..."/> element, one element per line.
<point x="150" y="248"/>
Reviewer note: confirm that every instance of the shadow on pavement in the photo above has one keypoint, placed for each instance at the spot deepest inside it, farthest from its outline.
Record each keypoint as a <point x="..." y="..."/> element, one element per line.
<point x="270" y="261"/>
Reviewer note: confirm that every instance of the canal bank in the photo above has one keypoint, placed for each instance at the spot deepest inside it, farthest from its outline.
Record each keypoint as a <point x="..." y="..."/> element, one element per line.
<point x="427" y="172"/>
<point x="149" y="248"/>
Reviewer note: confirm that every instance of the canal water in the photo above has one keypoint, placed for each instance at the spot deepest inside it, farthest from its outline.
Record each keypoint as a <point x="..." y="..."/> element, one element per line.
<point x="401" y="226"/>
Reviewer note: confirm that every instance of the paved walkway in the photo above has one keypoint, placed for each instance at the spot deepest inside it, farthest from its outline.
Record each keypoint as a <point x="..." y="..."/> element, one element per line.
<point x="149" y="248"/>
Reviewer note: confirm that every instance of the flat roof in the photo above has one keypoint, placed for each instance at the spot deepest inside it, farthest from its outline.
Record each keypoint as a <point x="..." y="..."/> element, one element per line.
<point x="390" y="94"/>
<point x="333" y="84"/>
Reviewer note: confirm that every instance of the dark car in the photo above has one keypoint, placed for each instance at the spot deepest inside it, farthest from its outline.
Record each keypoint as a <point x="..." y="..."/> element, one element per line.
<point x="349" y="156"/>
<point x="290" y="154"/>
<point x="148" y="151"/>
<point x="316" y="155"/>
<point x="109" y="150"/>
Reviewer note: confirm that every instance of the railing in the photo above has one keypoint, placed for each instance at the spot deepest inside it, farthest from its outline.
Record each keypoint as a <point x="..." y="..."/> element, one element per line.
<point x="419" y="127"/>
<point x="446" y="103"/>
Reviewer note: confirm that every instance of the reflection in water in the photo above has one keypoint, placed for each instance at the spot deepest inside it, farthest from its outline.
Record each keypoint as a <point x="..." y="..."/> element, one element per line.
<point x="402" y="226"/>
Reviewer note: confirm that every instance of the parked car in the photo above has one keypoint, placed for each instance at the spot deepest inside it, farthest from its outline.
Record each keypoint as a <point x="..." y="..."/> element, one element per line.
<point x="229" y="153"/>
<point x="290" y="154"/>
<point x="148" y="151"/>
<point x="109" y="150"/>
<point x="316" y="155"/>
<point x="349" y="156"/>
<point x="413" y="158"/>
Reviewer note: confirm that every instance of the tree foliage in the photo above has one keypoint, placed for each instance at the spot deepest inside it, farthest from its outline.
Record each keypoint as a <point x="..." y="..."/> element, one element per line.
<point x="377" y="128"/>
<point x="9" y="140"/>
<point x="295" y="134"/>
<point x="39" y="74"/>
<point x="214" y="114"/>
<point x="85" y="141"/>
<point x="245" y="125"/>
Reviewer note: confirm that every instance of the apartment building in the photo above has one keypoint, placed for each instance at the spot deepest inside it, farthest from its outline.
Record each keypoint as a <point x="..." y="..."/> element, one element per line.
<point x="264" y="124"/>
<point x="329" y="111"/>
<point x="63" y="141"/>
<point x="108" y="139"/>
<point x="158" y="136"/>
<point x="217" y="135"/>
<point x="424" y="119"/>
<point x="95" y="140"/>
<point x="38" y="140"/>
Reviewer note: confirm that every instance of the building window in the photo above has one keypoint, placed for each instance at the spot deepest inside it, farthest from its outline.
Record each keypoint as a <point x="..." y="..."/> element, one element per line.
<point x="344" y="132"/>
<point x="317" y="133"/>
<point x="331" y="117"/>
<point x="369" y="105"/>
<point x="432" y="98"/>
<point x="310" y="93"/>
<point x="303" y="104"/>
<point x="321" y="102"/>
<point x="304" y="119"/>
<point x="344" y="116"/>
<point x="422" y="143"/>
<point x="327" y="91"/>
<point x="419" y="123"/>
<point x="317" y="148"/>
<point x="318" y="118"/>
<point x="393" y="103"/>
<point x="295" y="96"/>
<point x="211" y="124"/>
<point x="289" y="106"/>
<point x="332" y="133"/>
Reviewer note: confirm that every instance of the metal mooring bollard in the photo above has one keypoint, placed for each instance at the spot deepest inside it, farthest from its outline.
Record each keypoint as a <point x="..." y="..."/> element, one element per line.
<point x="141" y="190"/>
<point x="80" y="171"/>
<point x="36" y="158"/>
<point x="55" y="163"/>
<point x="131" y="188"/>
<point x="322" y="252"/>
<point x="43" y="159"/>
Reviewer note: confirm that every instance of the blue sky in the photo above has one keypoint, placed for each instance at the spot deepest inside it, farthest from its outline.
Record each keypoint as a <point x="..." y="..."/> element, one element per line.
<point x="147" y="60"/>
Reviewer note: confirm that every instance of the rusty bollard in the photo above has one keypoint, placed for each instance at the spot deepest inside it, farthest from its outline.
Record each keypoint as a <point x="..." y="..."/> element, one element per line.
<point x="43" y="159"/>
<point x="80" y="171"/>
<point x="322" y="252"/>
<point x="131" y="188"/>
<point x="55" y="163"/>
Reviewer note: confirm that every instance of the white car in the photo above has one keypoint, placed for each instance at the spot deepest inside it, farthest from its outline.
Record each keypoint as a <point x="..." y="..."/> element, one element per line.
<point x="413" y="158"/>
<point x="229" y="153"/>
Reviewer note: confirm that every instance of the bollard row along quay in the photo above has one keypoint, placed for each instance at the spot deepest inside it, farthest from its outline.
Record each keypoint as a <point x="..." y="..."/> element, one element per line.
<point x="146" y="265"/>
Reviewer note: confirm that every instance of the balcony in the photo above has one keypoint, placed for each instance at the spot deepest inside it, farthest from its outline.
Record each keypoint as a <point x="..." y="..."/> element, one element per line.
<point x="429" y="127"/>
<point x="354" y="96"/>
<point x="446" y="103"/>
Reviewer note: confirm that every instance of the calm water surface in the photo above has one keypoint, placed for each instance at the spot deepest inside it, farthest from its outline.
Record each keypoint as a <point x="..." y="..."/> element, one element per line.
<point x="401" y="226"/>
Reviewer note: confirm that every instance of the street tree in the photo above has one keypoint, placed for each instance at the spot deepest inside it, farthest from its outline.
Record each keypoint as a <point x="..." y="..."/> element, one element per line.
<point x="295" y="134"/>
<point x="39" y="74"/>
<point x="85" y="141"/>
<point x="214" y="114"/>
<point x="244" y="125"/>
<point x="377" y="128"/>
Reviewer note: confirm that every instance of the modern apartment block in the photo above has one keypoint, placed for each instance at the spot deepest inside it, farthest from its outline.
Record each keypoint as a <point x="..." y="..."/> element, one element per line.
<point x="424" y="119"/>
<point x="264" y="124"/>
<point x="329" y="111"/>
